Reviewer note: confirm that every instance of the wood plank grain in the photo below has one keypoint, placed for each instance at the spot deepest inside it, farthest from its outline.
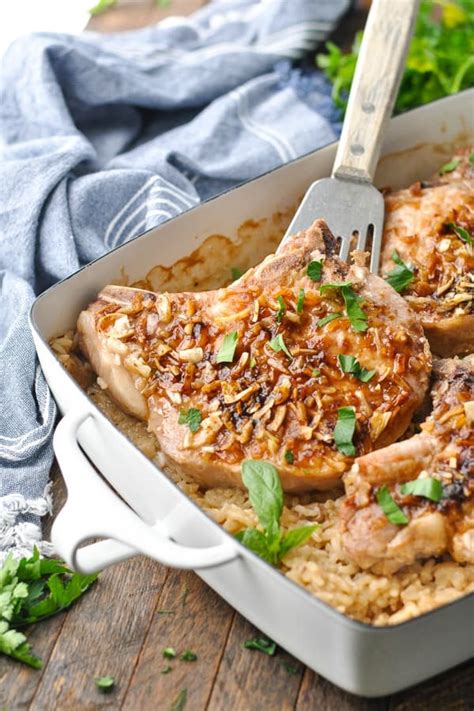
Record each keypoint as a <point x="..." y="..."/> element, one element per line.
<point x="318" y="693"/>
<point x="249" y="680"/>
<point x="102" y="635"/>
<point x="451" y="691"/>
<point x="200" y="623"/>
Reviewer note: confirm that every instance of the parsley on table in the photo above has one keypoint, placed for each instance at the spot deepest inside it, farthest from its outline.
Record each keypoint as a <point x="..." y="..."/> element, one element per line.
<point x="105" y="683"/>
<point x="461" y="233"/>
<point x="192" y="418"/>
<point x="350" y="364"/>
<point x="261" y="645"/>
<point x="32" y="589"/>
<point x="300" y="302"/>
<point x="188" y="656"/>
<point x="344" y="431"/>
<point x="166" y="670"/>
<point x="449" y="167"/>
<point x="281" y="309"/>
<point x="278" y="344"/>
<point x="355" y="314"/>
<point x="179" y="702"/>
<point x="391" y="510"/>
<point x="439" y="60"/>
<point x="314" y="270"/>
<point x="227" y="350"/>
<point x="327" y="319"/>
<point x="401" y="276"/>
<point x="429" y="488"/>
<point x="266" y="497"/>
<point x="169" y="652"/>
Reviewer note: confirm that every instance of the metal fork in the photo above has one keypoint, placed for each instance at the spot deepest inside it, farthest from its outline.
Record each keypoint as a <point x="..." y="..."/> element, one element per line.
<point x="348" y="201"/>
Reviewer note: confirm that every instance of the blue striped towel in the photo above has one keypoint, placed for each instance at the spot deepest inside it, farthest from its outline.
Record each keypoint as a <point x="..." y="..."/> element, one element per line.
<point x="105" y="136"/>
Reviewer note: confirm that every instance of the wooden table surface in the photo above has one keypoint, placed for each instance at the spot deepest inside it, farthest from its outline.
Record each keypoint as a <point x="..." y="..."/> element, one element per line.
<point x="117" y="628"/>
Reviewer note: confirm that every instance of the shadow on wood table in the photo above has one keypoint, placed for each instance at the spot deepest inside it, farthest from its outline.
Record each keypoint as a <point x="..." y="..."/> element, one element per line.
<point x="139" y="607"/>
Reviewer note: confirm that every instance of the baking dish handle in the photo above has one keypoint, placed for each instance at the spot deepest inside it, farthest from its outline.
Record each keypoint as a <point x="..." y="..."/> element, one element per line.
<point x="93" y="510"/>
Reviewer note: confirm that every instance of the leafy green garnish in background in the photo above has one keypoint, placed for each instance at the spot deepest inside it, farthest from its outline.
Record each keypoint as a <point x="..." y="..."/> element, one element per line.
<point x="188" y="656"/>
<point x="261" y="645"/>
<point x="344" y="431"/>
<point x="32" y="589"/>
<point x="227" y="350"/>
<point x="105" y="683"/>
<point x="401" y="275"/>
<point x="236" y="273"/>
<point x="192" y="418"/>
<point x="440" y="59"/>
<point x="389" y="507"/>
<point x="463" y="234"/>
<point x="103" y="5"/>
<point x="169" y="652"/>
<point x="266" y="497"/>
<point x="350" y="364"/>
<point x="449" y="167"/>
<point x="429" y="488"/>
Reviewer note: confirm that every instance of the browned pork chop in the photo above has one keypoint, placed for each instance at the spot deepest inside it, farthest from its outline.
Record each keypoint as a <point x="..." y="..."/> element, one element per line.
<point x="420" y="225"/>
<point x="250" y="371"/>
<point x="443" y="451"/>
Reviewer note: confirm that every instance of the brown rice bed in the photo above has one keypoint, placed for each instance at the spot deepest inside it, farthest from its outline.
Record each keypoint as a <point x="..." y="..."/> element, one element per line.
<point x="320" y="565"/>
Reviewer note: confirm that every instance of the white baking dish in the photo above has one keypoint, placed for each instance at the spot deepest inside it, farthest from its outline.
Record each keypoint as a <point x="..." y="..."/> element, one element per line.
<point x="160" y="520"/>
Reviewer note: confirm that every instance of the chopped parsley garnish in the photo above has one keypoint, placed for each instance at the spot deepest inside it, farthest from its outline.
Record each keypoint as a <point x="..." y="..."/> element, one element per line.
<point x="344" y="431"/>
<point x="289" y="456"/>
<point x="290" y="668"/>
<point x="350" y="364"/>
<point x="356" y="315"/>
<point x="429" y="488"/>
<point x="471" y="158"/>
<point x="236" y="273"/>
<point x="461" y="233"/>
<point x="401" y="276"/>
<point x="169" y="652"/>
<point x="179" y="702"/>
<point x="227" y="350"/>
<point x="253" y="362"/>
<point x="315" y="372"/>
<point x="314" y="270"/>
<point x="278" y="344"/>
<point x="165" y="612"/>
<point x="105" y="683"/>
<point x="166" y="670"/>
<point x="192" y="418"/>
<point x="389" y="507"/>
<point x="300" y="302"/>
<point x="266" y="497"/>
<point x="282" y="308"/>
<point x="328" y="319"/>
<point x="32" y="589"/>
<point x="449" y="167"/>
<point x="261" y="645"/>
<point x="188" y="656"/>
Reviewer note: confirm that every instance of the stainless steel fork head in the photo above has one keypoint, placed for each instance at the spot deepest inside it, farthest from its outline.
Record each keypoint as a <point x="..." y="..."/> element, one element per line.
<point x="348" y="207"/>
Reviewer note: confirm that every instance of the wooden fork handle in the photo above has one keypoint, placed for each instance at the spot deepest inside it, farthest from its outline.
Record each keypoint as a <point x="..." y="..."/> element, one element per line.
<point x="374" y="89"/>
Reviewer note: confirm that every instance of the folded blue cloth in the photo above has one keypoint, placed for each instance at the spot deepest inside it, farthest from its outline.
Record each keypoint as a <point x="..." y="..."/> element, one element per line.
<point x="105" y="136"/>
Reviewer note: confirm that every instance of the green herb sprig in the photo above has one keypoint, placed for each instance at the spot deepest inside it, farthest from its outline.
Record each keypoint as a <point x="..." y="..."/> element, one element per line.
<point x="226" y="352"/>
<point x="401" y="275"/>
<point x="266" y="497"/>
<point x="391" y="510"/>
<point x="278" y="344"/>
<point x="314" y="270"/>
<point x="192" y="418"/>
<point x="350" y="364"/>
<point x="429" y="488"/>
<point x="355" y="314"/>
<point x="105" y="683"/>
<point x="261" y="644"/>
<point x="344" y="431"/>
<point x="463" y="234"/>
<point x="32" y="589"/>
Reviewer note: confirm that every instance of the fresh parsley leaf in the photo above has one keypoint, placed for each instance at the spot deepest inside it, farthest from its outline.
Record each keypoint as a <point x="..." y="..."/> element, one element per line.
<point x="236" y="273"/>
<point x="169" y="652"/>
<point x="327" y="319"/>
<point x="282" y="309"/>
<point x="333" y="285"/>
<point x="105" y="683"/>
<point x="15" y="645"/>
<point x="261" y="645"/>
<point x="266" y="496"/>
<point x="289" y="456"/>
<point x="429" y="488"/>
<point x="350" y="364"/>
<point x="471" y="158"/>
<point x="166" y="670"/>
<point x="389" y="507"/>
<point x="401" y="276"/>
<point x="314" y="270"/>
<point x="227" y="350"/>
<point x="461" y="233"/>
<point x="188" y="656"/>
<point x="180" y="701"/>
<point x="278" y="344"/>
<point x="356" y="315"/>
<point x="290" y="668"/>
<point x="344" y="431"/>
<point x="315" y="372"/>
<point x="449" y="167"/>
<point x="294" y="538"/>
<point x="253" y="362"/>
<point x="300" y="302"/>
<point x="192" y="418"/>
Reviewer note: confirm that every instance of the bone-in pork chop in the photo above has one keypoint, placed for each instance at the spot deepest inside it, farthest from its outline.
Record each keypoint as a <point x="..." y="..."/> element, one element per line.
<point x="429" y="478"/>
<point x="430" y="227"/>
<point x="254" y="370"/>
